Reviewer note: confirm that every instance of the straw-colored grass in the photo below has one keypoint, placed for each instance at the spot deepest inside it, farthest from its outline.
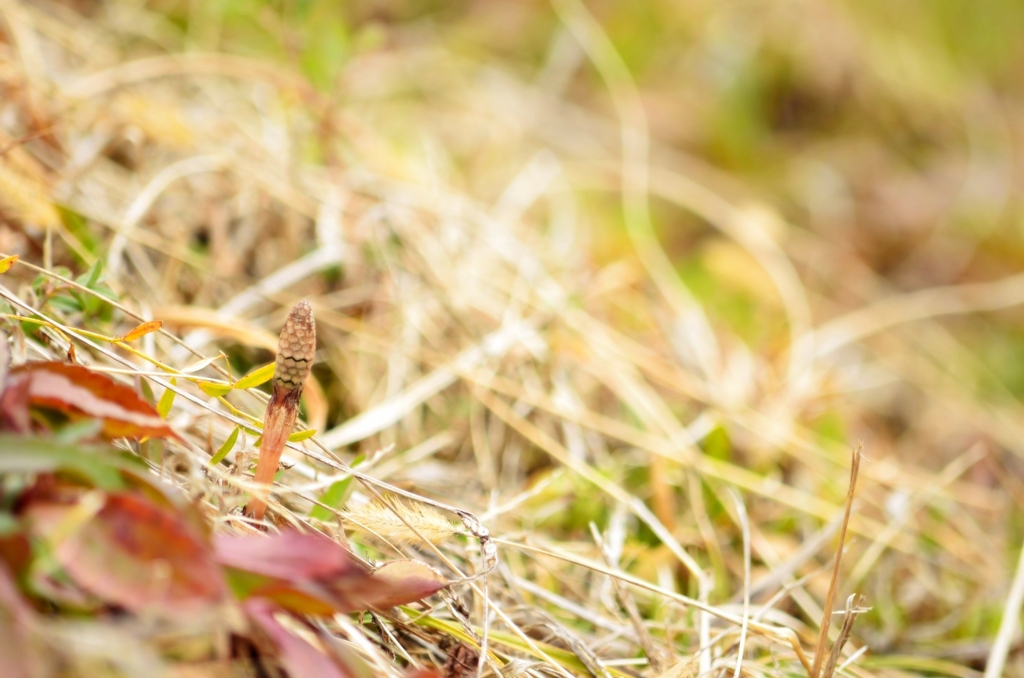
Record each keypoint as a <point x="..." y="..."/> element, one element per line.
<point x="599" y="366"/>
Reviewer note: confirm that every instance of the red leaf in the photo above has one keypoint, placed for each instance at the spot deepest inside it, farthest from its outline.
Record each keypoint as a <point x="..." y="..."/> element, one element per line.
<point x="78" y="391"/>
<point x="15" y="551"/>
<point x="296" y="654"/>
<point x="129" y="551"/>
<point x="5" y="362"/>
<point x="14" y="404"/>
<point x="169" y="497"/>
<point x="311" y="574"/>
<point x="18" y="657"/>
<point x="289" y="555"/>
<point x="305" y="573"/>
<point x="403" y="581"/>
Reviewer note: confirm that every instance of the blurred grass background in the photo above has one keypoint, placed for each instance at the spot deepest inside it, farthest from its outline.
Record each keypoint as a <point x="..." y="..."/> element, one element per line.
<point x="889" y="130"/>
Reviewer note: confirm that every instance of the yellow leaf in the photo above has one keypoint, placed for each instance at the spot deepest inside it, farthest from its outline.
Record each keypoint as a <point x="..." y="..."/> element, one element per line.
<point x="225" y="448"/>
<point x="163" y="407"/>
<point x="256" y="377"/>
<point x="143" y="329"/>
<point x="214" y="389"/>
<point x="299" y="436"/>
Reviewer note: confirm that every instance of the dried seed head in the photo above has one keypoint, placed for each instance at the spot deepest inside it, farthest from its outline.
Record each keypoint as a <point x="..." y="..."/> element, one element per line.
<point x="383" y="521"/>
<point x="296" y="348"/>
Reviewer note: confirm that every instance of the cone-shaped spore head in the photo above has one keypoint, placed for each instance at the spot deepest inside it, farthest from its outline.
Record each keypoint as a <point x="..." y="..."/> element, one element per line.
<point x="296" y="348"/>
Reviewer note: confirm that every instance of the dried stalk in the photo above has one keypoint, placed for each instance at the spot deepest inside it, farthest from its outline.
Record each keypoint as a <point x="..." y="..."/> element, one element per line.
<point x="294" y="359"/>
<point x="826" y="616"/>
<point x="854" y="606"/>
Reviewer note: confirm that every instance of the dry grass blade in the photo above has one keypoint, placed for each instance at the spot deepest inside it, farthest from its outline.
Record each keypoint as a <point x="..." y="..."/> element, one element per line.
<point x="655" y="656"/>
<point x="854" y="606"/>
<point x="1008" y="625"/>
<point x="743" y="520"/>
<point x="833" y="585"/>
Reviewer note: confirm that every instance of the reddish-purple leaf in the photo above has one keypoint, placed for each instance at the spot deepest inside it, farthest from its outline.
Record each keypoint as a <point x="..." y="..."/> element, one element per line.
<point x="311" y="574"/>
<point x="15" y="551"/>
<point x="18" y="656"/>
<point x="300" y="597"/>
<point x="305" y="573"/>
<point x="79" y="392"/>
<point x="166" y="496"/>
<point x="129" y="551"/>
<point x="403" y="581"/>
<point x="289" y="555"/>
<point x="5" y="360"/>
<point x="14" y="407"/>
<point x="295" y="653"/>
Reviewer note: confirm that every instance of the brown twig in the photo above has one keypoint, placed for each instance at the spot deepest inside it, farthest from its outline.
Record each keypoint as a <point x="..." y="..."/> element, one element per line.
<point x="294" y="359"/>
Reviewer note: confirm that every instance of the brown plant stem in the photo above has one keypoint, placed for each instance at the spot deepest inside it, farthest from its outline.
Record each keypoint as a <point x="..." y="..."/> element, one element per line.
<point x="294" y="359"/>
<point x="826" y="616"/>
